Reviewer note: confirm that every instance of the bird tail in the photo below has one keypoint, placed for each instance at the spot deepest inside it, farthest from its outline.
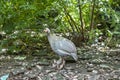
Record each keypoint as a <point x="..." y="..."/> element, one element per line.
<point x="74" y="55"/>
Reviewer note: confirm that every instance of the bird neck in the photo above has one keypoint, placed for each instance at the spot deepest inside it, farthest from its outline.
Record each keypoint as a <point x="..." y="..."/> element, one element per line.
<point x="48" y="34"/>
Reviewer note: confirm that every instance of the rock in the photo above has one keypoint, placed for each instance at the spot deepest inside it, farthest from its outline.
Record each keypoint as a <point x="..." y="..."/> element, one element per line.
<point x="104" y="66"/>
<point x="90" y="69"/>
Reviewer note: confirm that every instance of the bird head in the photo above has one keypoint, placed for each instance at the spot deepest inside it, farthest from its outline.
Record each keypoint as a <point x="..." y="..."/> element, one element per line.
<point x="47" y="30"/>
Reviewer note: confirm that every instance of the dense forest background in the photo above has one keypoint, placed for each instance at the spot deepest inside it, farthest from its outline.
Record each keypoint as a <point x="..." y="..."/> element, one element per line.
<point x="85" y="22"/>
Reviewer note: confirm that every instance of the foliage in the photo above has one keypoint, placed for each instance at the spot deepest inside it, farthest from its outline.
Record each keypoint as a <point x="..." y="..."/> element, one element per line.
<point x="19" y="21"/>
<point x="22" y="21"/>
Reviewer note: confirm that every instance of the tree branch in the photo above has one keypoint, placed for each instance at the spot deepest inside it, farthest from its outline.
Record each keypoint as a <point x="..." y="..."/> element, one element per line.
<point x="92" y="14"/>
<point x="81" y="19"/>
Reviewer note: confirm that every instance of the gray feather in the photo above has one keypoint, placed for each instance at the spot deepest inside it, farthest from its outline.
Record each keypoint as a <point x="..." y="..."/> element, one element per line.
<point x="62" y="46"/>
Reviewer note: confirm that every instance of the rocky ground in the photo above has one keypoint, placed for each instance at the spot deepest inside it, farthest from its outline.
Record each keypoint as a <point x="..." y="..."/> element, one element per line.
<point x="92" y="64"/>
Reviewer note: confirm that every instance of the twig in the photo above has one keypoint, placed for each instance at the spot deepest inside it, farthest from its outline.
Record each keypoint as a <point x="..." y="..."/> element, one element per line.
<point x="92" y="13"/>
<point x="81" y="19"/>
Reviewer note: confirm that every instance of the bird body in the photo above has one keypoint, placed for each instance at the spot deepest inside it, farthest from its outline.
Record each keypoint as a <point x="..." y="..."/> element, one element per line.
<point x="61" y="46"/>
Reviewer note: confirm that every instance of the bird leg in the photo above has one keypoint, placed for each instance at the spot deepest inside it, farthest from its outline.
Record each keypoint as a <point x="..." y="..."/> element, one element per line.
<point x="57" y="63"/>
<point x="61" y="63"/>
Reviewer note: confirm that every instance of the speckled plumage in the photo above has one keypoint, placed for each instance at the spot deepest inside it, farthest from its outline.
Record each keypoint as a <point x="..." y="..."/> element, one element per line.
<point x="61" y="45"/>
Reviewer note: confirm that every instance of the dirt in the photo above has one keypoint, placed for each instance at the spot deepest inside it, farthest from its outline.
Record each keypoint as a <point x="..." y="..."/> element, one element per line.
<point x="92" y="64"/>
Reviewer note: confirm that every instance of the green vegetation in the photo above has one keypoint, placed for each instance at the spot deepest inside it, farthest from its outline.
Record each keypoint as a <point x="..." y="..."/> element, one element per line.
<point x="22" y="22"/>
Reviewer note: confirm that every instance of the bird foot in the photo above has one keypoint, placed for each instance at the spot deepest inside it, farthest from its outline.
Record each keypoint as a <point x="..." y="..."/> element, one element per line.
<point x="58" y="64"/>
<point x="54" y="63"/>
<point x="61" y="65"/>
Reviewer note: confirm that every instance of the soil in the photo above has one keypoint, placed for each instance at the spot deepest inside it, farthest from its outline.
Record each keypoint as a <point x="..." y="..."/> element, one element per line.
<point x="92" y="64"/>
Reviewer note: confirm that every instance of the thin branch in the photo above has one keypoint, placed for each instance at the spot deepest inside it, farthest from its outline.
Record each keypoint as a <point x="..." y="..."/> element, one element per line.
<point x="72" y="21"/>
<point x="92" y="14"/>
<point x="69" y="21"/>
<point x="81" y="19"/>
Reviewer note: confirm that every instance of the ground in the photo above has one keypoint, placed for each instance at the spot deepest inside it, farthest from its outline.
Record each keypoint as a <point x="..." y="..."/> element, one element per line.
<point x="93" y="64"/>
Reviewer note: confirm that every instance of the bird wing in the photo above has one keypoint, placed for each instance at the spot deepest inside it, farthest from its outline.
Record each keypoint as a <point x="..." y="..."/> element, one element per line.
<point x="65" y="45"/>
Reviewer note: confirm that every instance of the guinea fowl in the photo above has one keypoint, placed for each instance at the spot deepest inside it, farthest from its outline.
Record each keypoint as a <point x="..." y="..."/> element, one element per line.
<point x="62" y="47"/>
